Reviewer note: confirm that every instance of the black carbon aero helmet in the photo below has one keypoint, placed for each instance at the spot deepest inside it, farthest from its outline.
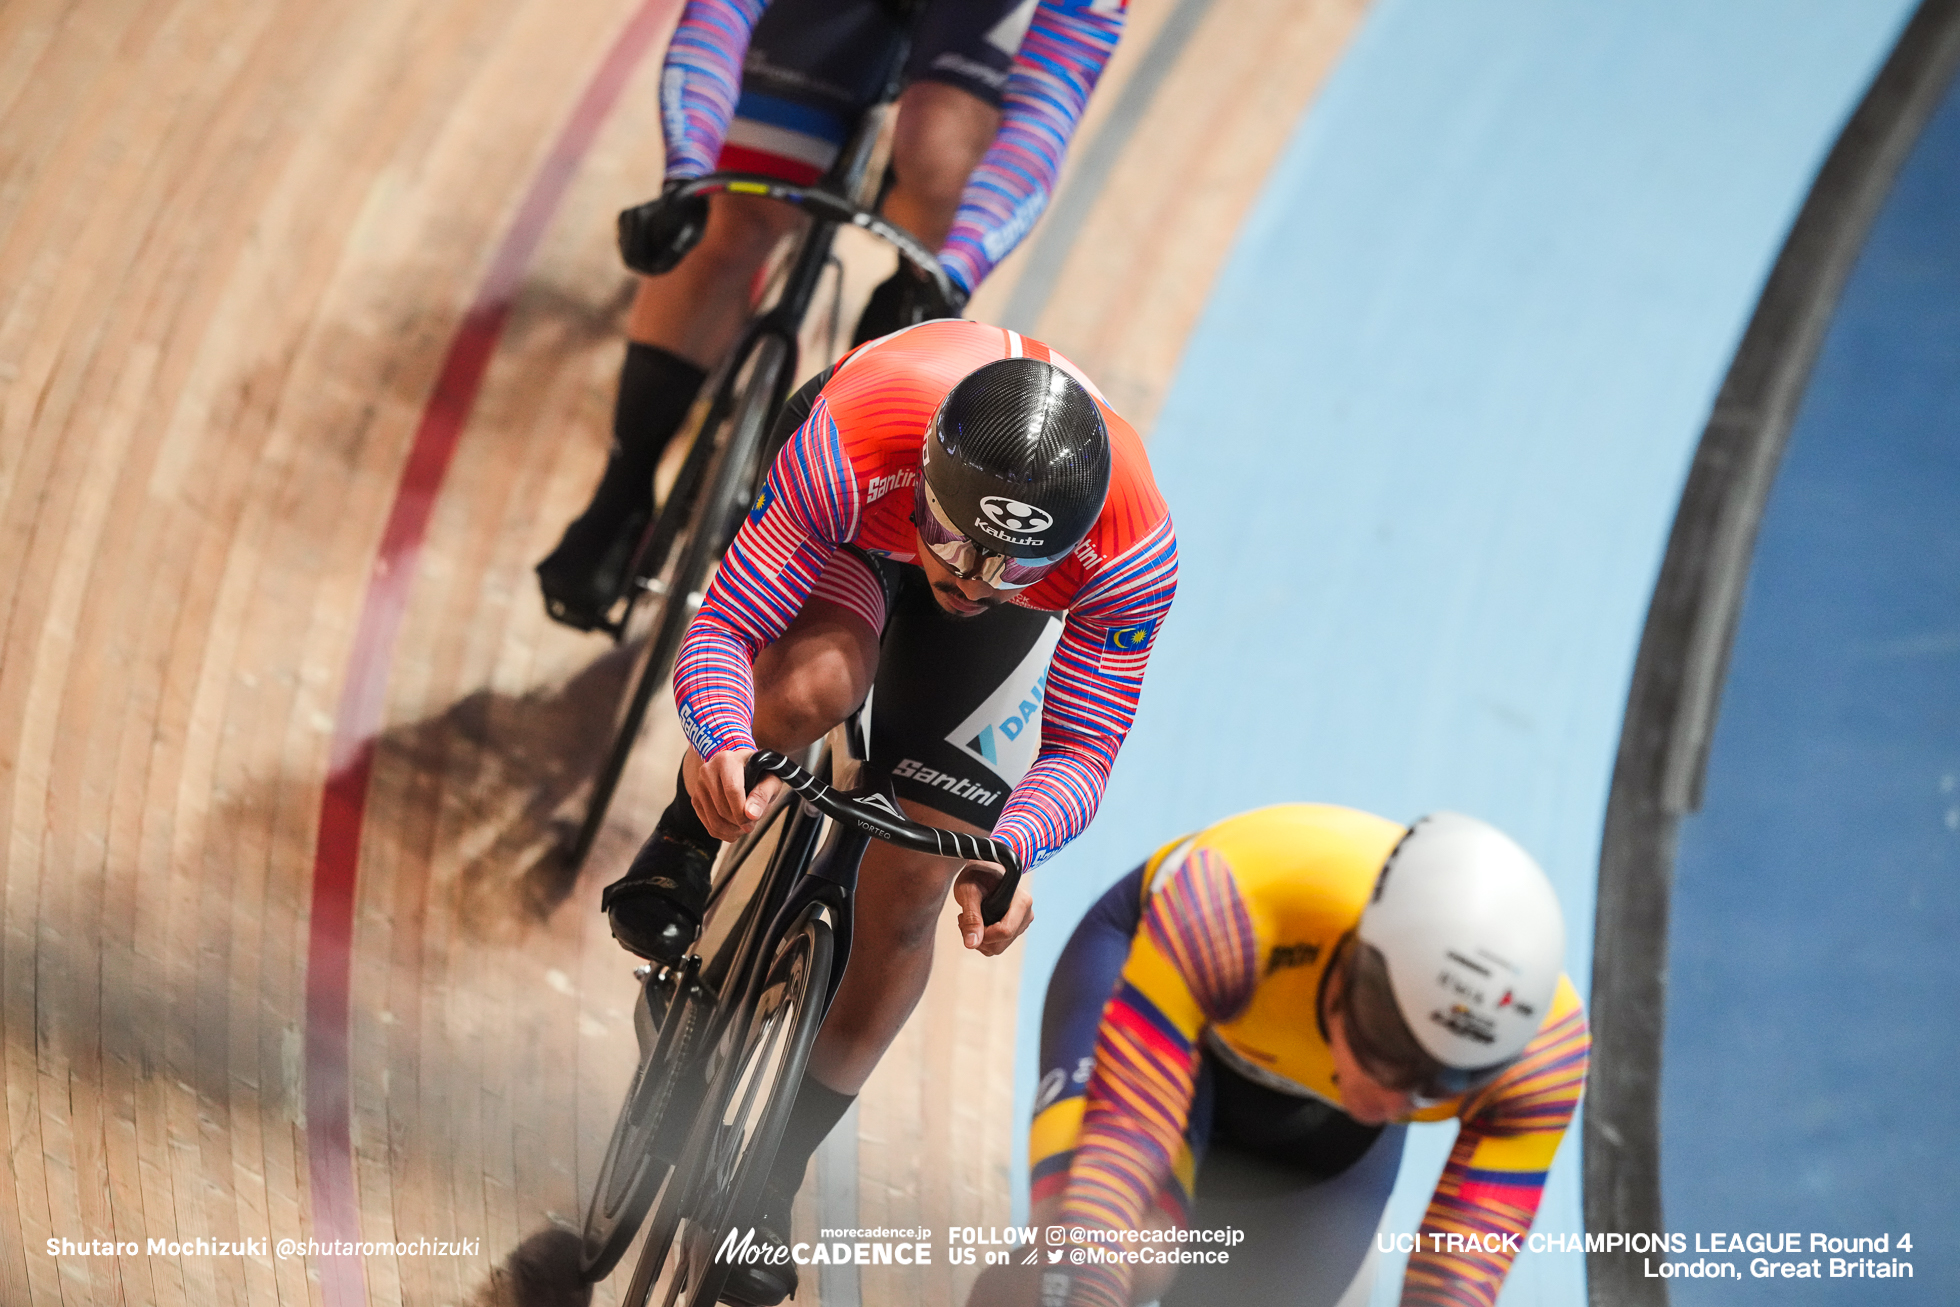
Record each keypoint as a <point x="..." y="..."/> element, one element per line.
<point x="1017" y="459"/>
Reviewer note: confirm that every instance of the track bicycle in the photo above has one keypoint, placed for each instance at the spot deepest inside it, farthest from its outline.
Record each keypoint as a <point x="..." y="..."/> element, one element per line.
<point x="723" y="1041"/>
<point x="737" y="435"/>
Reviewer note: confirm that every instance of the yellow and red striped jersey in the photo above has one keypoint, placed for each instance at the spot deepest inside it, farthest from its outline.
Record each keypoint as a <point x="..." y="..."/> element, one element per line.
<point x="1239" y="926"/>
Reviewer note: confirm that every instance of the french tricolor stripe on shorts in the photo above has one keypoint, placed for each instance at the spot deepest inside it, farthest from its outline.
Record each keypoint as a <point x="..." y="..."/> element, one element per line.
<point x="794" y="148"/>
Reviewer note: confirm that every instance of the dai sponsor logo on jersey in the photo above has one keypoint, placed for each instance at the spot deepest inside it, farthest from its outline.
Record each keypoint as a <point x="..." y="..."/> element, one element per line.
<point x="1004" y="732"/>
<point x="1126" y="649"/>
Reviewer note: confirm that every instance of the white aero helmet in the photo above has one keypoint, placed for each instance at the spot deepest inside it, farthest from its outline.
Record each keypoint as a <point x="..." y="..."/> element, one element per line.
<point x="1460" y="948"/>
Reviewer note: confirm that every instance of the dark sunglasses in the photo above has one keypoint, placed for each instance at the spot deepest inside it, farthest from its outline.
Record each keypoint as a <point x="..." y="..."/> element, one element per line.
<point x="962" y="557"/>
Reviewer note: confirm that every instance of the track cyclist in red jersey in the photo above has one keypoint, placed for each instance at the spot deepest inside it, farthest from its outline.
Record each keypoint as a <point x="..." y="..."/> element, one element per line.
<point x="994" y="91"/>
<point x="951" y="490"/>
<point x="1237" y="1035"/>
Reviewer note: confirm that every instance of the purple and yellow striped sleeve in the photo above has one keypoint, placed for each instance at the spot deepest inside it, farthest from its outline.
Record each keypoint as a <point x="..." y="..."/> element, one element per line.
<point x="1490" y="1188"/>
<point x="1193" y="961"/>
<point x="808" y="507"/>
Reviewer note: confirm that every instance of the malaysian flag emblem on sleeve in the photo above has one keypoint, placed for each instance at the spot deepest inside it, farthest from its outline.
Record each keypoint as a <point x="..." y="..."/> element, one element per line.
<point x="1126" y="649"/>
<point x="770" y="537"/>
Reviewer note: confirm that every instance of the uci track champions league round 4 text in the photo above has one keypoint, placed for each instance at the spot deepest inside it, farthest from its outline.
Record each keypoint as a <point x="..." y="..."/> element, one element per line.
<point x="1708" y="1255"/>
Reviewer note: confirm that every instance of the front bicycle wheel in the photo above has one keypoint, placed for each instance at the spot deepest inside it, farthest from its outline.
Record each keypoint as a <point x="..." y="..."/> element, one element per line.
<point x="657" y="1115"/>
<point x="733" y="1152"/>
<point x="657" y="620"/>
<point x="641" y="1151"/>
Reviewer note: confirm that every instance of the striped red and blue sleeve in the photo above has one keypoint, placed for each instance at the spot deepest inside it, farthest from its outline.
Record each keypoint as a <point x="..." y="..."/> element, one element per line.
<point x="808" y="506"/>
<point x="701" y="79"/>
<point x="1488" y="1194"/>
<point x="1067" y="45"/>
<point x="1094" y="682"/>
<point x="1193" y="962"/>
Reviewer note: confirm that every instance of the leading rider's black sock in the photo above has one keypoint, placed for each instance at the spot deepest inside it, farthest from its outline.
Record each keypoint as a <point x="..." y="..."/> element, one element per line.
<point x="681" y="822"/>
<point x="816" y="1112"/>
<point x="656" y="389"/>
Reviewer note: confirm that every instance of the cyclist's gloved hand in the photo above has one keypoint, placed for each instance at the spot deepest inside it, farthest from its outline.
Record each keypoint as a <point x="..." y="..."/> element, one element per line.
<point x="654" y="236"/>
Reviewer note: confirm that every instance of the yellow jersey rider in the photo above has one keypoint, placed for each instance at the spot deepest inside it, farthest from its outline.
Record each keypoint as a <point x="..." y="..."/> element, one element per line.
<point x="1238" y="1032"/>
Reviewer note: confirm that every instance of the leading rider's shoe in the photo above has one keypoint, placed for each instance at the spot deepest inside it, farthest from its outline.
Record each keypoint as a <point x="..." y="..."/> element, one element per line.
<point x="903" y="299"/>
<point x="587" y="571"/>
<point x="772" y="1276"/>
<point x="655" y="908"/>
<point x="585" y="574"/>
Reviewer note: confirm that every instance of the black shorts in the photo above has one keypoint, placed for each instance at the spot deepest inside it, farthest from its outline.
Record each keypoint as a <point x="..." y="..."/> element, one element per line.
<point x="813" y="66"/>
<point x="956" y="707"/>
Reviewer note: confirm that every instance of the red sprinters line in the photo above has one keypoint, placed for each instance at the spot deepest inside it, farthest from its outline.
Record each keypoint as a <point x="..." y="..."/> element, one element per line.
<point x="336" y="857"/>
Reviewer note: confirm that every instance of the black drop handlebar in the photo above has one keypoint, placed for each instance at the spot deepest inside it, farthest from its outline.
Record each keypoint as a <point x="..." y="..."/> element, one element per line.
<point x="874" y="815"/>
<point x="832" y="207"/>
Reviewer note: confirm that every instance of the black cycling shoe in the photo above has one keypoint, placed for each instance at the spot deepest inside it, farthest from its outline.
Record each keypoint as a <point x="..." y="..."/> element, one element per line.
<point x="655" y="908"/>
<point x="772" y="1276"/>
<point x="903" y="299"/>
<point x="586" y="573"/>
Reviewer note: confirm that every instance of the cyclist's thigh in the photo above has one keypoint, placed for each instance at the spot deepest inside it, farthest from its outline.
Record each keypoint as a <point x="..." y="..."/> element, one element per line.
<point x="969" y="44"/>
<point x="1071" y="1022"/>
<point x="956" y="715"/>
<point x="812" y="67"/>
<point x="1306" y="1239"/>
<point x="821" y="667"/>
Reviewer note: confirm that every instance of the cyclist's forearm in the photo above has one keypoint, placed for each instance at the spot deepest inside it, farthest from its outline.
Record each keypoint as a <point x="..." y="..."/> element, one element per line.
<point x="746" y="608"/>
<point x="1062" y="55"/>
<point x="714" y="688"/>
<point x="764" y="578"/>
<point x="1463" y="1256"/>
<point x="1085" y="715"/>
<point x="1138" y="1103"/>
<point x="1490" y="1188"/>
<point x="1476" y="1222"/>
<point x="702" y="79"/>
<point x="1054" y="802"/>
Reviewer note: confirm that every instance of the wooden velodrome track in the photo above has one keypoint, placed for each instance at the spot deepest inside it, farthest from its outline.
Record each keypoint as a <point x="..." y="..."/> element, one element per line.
<point x="308" y="328"/>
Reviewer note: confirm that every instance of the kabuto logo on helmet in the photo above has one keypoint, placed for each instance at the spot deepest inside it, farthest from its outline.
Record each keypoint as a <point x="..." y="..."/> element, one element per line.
<point x="1015" y="516"/>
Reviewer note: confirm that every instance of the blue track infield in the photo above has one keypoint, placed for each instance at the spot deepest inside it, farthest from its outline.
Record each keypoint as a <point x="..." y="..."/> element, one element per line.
<point x="1817" y="894"/>
<point x="1425" y="445"/>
